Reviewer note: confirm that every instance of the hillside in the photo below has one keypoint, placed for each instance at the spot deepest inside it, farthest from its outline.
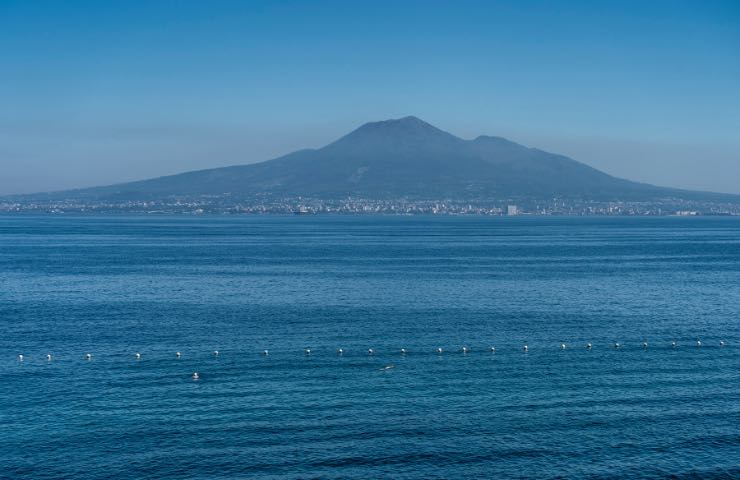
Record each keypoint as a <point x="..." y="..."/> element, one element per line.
<point x="403" y="158"/>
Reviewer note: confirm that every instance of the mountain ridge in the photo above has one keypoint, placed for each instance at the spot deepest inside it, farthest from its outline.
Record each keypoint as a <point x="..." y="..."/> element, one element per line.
<point x="396" y="158"/>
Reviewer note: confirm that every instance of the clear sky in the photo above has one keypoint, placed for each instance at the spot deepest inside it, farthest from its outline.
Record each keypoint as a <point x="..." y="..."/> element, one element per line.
<point x="101" y="92"/>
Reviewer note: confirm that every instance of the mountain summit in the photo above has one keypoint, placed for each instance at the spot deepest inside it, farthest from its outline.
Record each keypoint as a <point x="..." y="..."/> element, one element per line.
<point x="391" y="159"/>
<point x="406" y="129"/>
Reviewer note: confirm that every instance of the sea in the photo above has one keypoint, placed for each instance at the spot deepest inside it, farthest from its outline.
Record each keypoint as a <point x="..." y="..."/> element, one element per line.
<point x="336" y="347"/>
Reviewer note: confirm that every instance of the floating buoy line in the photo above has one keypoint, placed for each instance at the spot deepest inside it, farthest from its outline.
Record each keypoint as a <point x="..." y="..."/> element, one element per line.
<point x="525" y="348"/>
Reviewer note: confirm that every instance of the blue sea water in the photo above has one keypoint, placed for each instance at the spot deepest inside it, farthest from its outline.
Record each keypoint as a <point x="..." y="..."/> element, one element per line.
<point x="113" y="286"/>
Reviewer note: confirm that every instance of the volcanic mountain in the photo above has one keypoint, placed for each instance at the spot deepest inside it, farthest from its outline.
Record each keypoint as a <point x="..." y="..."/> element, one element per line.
<point x="401" y="158"/>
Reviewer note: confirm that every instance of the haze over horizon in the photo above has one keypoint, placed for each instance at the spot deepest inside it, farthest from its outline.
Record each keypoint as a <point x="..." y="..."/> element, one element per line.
<point x="96" y="94"/>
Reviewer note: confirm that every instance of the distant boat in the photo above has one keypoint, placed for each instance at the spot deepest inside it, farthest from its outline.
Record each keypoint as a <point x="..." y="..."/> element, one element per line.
<point x="302" y="211"/>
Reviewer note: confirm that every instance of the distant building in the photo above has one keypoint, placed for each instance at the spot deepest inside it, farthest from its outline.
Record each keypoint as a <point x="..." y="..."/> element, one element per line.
<point x="512" y="210"/>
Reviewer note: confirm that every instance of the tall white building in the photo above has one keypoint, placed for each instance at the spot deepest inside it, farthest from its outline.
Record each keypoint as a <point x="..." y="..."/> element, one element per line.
<point x="512" y="210"/>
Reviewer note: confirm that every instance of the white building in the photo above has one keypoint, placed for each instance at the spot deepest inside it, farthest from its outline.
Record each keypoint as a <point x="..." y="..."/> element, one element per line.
<point x="512" y="210"/>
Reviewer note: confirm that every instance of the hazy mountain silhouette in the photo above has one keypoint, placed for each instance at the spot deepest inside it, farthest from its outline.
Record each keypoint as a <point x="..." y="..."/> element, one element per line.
<point x="406" y="157"/>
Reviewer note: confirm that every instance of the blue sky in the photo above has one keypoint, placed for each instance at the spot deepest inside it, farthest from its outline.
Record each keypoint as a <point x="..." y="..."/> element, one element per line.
<point x="102" y="92"/>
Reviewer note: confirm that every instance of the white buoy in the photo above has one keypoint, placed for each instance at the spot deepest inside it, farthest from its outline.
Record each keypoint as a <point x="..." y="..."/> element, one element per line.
<point x="644" y="345"/>
<point x="308" y="351"/>
<point x="721" y="343"/>
<point x="216" y="353"/>
<point x="698" y="343"/>
<point x="562" y="346"/>
<point x="403" y="351"/>
<point x="370" y="351"/>
<point x="589" y="346"/>
<point x="439" y="350"/>
<point x="138" y="356"/>
<point x="616" y="345"/>
<point x="196" y="376"/>
<point x="493" y="349"/>
<point x="265" y="352"/>
<point x="673" y="344"/>
<point x="465" y="349"/>
<point x="88" y="356"/>
<point x="340" y="351"/>
<point x="20" y="358"/>
<point x="526" y="348"/>
<point x="178" y="354"/>
<point x="48" y="357"/>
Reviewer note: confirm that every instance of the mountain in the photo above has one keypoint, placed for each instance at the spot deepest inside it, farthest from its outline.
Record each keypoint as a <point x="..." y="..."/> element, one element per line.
<point x="401" y="158"/>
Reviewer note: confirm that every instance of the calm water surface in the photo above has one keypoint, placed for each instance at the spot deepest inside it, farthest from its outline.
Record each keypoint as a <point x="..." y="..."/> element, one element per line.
<point x="114" y="286"/>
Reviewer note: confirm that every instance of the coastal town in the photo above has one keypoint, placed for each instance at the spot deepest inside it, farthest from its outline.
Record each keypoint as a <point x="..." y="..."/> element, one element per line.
<point x="354" y="206"/>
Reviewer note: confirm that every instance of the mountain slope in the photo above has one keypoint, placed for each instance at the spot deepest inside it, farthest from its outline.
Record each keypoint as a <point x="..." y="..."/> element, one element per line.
<point x="406" y="157"/>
